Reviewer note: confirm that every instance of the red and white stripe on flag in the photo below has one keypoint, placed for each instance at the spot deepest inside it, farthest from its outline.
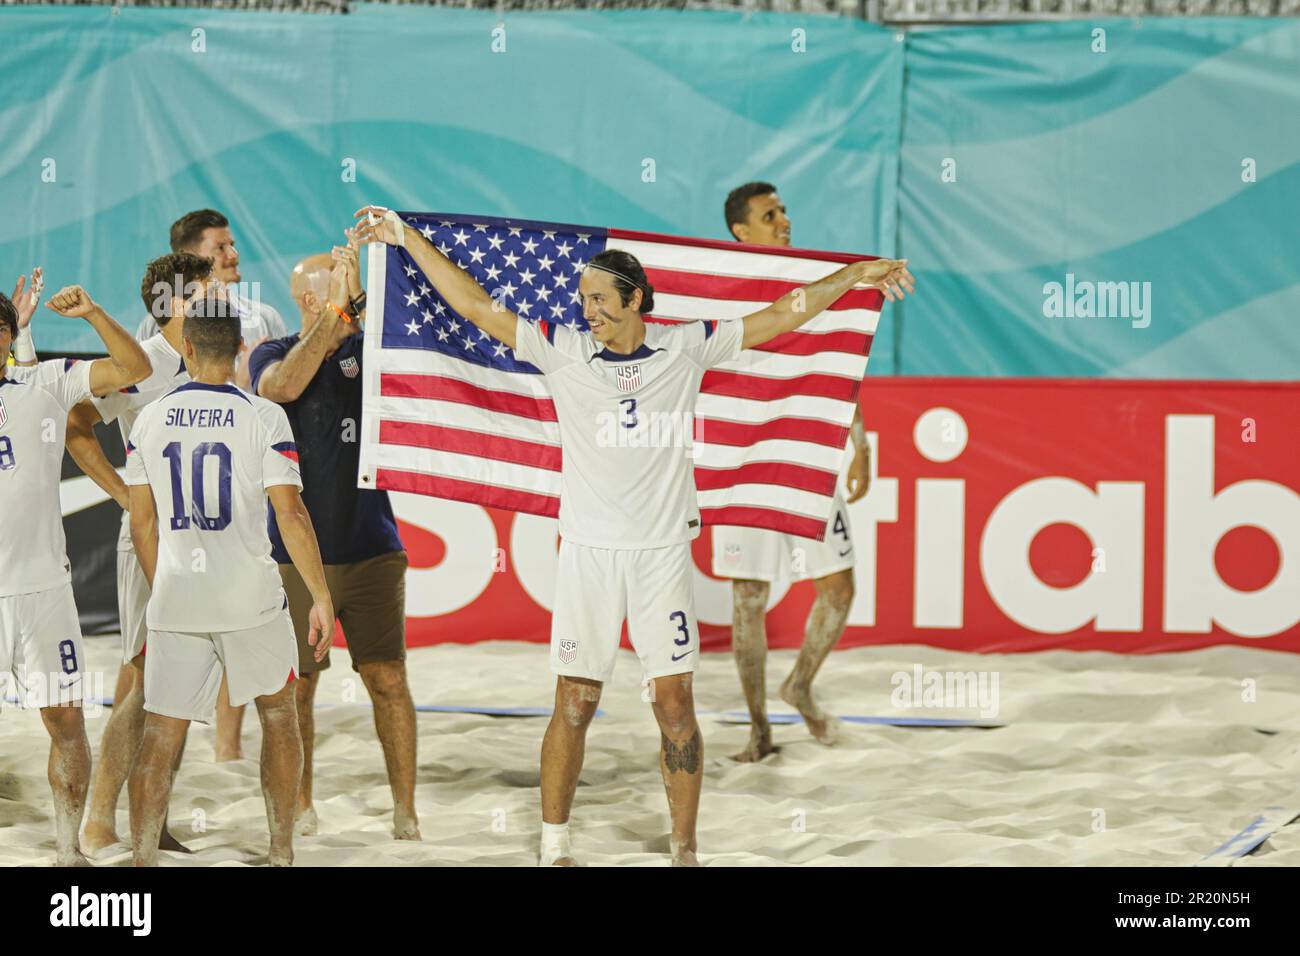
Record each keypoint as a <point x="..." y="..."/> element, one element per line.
<point x="771" y="427"/>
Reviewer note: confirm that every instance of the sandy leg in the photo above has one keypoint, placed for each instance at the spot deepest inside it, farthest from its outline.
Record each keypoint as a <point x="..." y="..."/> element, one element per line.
<point x="230" y="726"/>
<point x="116" y="752"/>
<point x="69" y="775"/>
<point x="681" y="760"/>
<point x="749" y="643"/>
<point x="117" y="749"/>
<point x="281" y="768"/>
<point x="150" y="784"/>
<point x="395" y="726"/>
<point x="825" y="624"/>
<point x="304" y="817"/>
<point x="563" y="748"/>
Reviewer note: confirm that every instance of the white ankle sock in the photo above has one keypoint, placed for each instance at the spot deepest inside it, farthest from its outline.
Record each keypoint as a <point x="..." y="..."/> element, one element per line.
<point x="555" y="842"/>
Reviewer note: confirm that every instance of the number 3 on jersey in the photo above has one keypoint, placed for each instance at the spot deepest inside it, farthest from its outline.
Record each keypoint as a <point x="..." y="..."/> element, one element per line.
<point x="629" y="412"/>
<point x="197" y="511"/>
<point x="679" y="618"/>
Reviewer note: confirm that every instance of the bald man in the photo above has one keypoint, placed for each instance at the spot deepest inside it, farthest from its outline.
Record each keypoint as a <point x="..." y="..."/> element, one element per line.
<point x="316" y="377"/>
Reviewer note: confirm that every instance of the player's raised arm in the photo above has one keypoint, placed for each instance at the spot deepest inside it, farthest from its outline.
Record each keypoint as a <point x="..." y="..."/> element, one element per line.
<point x="453" y="283"/>
<point x="126" y="363"/>
<point x="799" y="305"/>
<point x="300" y="541"/>
<point x="24" y="298"/>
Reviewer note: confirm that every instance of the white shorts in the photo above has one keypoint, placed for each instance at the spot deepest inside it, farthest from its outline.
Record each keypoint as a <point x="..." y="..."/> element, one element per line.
<point x="41" y="660"/>
<point x="132" y="603"/>
<point x="182" y="673"/>
<point x="596" y="589"/>
<point x="756" y="554"/>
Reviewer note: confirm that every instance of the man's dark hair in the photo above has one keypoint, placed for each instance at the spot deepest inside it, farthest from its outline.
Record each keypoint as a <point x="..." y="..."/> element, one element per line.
<point x="187" y="231"/>
<point x="736" y="208"/>
<point x="9" y="316"/>
<point x="212" y="327"/>
<point x="170" y="275"/>
<point x="628" y="276"/>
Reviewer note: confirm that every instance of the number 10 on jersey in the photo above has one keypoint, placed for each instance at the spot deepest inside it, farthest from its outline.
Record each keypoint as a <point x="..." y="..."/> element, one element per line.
<point x="197" y="510"/>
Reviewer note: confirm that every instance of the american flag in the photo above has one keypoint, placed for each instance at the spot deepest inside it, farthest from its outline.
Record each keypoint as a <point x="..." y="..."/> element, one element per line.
<point x="450" y="412"/>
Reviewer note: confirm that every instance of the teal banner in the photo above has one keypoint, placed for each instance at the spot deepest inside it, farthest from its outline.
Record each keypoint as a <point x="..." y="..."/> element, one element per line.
<point x="1089" y="198"/>
<point x="1103" y="198"/>
<point x="113" y="124"/>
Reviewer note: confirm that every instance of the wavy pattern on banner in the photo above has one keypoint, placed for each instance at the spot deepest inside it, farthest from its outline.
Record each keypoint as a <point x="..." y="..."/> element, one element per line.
<point x="1215" y="264"/>
<point x="142" y="128"/>
<point x="1123" y="166"/>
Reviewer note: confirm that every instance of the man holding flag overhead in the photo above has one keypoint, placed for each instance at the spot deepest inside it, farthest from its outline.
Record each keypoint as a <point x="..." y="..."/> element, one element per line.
<point x="627" y="502"/>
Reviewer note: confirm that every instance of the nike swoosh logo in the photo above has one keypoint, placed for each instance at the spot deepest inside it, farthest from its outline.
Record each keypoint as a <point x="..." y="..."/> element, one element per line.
<point x="678" y="657"/>
<point x="845" y="552"/>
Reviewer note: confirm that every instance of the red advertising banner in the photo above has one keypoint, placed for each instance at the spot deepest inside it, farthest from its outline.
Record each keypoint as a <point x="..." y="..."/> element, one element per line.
<point x="1004" y="515"/>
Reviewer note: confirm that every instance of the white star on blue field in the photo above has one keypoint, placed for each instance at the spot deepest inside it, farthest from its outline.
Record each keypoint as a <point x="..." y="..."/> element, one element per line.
<point x="531" y="268"/>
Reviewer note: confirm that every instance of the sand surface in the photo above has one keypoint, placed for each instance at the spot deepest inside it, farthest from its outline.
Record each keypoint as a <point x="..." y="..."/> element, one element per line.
<point x="1104" y="759"/>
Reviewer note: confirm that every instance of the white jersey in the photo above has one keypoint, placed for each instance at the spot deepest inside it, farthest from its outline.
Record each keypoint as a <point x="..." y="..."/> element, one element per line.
<point x="257" y="320"/>
<point x="627" y="481"/>
<point x="34" y="405"/>
<point x="125" y="406"/>
<point x="208" y="453"/>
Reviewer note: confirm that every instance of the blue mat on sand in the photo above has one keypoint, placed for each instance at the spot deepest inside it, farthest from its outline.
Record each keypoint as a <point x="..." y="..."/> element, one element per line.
<point x="1248" y="840"/>
<point x="727" y="717"/>
<point x="489" y="711"/>
<point x="737" y="717"/>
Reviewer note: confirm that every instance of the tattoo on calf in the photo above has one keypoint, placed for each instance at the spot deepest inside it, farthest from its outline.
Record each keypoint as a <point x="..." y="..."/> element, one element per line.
<point x="686" y="757"/>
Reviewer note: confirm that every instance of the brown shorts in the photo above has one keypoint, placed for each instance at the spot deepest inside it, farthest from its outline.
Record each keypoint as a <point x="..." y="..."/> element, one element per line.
<point x="370" y="601"/>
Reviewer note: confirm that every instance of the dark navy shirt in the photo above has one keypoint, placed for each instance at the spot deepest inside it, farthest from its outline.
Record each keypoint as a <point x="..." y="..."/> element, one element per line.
<point x="352" y="524"/>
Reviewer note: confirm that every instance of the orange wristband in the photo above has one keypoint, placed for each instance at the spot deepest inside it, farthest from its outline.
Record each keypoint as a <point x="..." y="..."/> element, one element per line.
<point x="342" y="315"/>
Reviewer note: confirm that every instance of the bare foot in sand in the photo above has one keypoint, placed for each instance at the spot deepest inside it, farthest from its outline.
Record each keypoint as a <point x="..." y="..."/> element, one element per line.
<point x="71" y="858"/>
<point x="281" y="856"/>
<point x="565" y="861"/>
<point x="759" y="746"/>
<point x="406" y="825"/>
<point x="305" y="822"/>
<point x="823" y="727"/>
<point x="97" y="837"/>
<point x="226" y="753"/>
<point x="682" y="856"/>
<point x="168" y="842"/>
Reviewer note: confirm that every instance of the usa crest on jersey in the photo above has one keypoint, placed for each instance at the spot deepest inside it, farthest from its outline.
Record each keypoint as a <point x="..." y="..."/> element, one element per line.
<point x="568" y="651"/>
<point x="628" y="377"/>
<point x="349" y="366"/>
